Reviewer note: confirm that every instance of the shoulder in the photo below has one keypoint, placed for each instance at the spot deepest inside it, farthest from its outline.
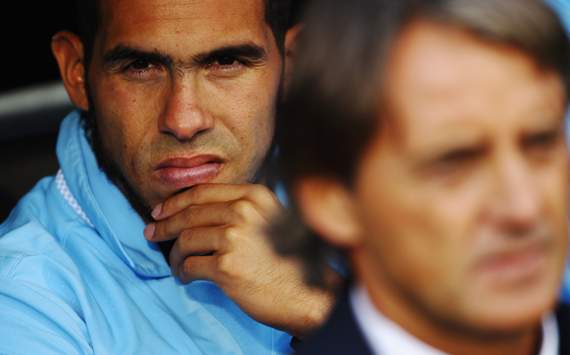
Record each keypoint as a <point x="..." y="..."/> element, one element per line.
<point x="35" y="231"/>
<point x="24" y="239"/>
<point x="339" y="335"/>
<point x="33" y="262"/>
<point x="42" y="295"/>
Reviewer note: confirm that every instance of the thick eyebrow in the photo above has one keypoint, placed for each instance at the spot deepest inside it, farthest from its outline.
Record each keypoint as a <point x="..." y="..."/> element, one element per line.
<point x="248" y="51"/>
<point x="122" y="53"/>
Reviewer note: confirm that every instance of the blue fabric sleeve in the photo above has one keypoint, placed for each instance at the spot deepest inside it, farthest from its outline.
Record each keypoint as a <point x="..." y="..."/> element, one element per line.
<point x="37" y="322"/>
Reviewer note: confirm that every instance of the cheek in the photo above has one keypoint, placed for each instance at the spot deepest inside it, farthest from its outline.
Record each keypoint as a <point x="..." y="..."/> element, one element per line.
<point x="420" y="244"/>
<point x="256" y="115"/>
<point x="123" y="125"/>
<point x="418" y="232"/>
<point x="249" y="110"/>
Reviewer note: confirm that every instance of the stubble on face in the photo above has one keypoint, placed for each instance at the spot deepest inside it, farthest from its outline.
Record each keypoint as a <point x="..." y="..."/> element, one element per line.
<point x="108" y="166"/>
<point x="124" y="124"/>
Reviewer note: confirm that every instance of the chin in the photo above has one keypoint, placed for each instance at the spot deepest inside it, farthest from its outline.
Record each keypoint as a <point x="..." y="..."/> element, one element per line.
<point x="515" y="311"/>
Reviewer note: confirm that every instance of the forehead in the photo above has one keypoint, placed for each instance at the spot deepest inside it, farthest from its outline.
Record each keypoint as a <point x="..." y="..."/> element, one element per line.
<point x="183" y="23"/>
<point x="440" y="77"/>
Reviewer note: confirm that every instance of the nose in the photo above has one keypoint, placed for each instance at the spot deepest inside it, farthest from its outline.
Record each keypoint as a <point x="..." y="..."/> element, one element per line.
<point x="184" y="115"/>
<point x="517" y="198"/>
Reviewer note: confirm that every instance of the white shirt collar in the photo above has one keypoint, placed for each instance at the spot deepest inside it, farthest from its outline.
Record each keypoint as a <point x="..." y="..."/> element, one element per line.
<point x="386" y="337"/>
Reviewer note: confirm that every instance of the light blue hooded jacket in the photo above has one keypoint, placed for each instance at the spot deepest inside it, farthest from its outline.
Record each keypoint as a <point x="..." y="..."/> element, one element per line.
<point x="78" y="277"/>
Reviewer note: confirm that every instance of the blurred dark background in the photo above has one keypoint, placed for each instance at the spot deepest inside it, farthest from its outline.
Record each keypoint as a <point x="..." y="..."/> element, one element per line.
<point x="27" y="29"/>
<point x="32" y="100"/>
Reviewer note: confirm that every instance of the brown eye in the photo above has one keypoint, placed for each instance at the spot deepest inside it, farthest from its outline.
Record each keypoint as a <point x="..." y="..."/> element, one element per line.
<point x="455" y="163"/>
<point x="140" y="64"/>
<point x="226" y="66"/>
<point x="459" y="156"/>
<point x="142" y="69"/>
<point x="227" y="60"/>
<point x="542" y="140"/>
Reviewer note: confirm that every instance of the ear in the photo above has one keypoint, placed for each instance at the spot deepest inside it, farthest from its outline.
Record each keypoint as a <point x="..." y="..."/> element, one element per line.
<point x="67" y="49"/>
<point x="290" y="41"/>
<point x="328" y="208"/>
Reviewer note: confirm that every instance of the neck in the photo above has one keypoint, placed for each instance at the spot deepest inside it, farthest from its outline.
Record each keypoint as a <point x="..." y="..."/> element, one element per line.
<point x="447" y="336"/>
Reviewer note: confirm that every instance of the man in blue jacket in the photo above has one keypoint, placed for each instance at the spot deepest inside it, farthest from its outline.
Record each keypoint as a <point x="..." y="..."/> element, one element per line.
<point x="160" y="184"/>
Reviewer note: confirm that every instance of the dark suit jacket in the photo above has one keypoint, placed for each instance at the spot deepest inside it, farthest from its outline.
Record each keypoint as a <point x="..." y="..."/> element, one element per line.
<point x="341" y="335"/>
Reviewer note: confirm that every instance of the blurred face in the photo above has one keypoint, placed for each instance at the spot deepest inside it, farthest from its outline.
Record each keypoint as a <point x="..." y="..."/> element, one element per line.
<point x="462" y="196"/>
<point x="183" y="92"/>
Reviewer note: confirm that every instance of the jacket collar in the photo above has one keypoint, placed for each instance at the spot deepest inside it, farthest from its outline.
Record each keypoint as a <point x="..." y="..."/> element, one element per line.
<point x="104" y="205"/>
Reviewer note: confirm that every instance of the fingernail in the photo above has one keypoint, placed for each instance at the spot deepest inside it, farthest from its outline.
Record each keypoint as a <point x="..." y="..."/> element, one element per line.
<point x="149" y="231"/>
<point x="157" y="211"/>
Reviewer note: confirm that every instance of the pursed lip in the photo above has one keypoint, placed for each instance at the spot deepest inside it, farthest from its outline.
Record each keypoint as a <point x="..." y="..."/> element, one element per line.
<point x="517" y="263"/>
<point x="181" y="172"/>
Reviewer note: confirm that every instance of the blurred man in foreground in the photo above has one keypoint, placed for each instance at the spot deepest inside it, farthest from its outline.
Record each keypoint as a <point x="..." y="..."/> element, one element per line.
<point x="425" y="140"/>
<point x="175" y="121"/>
<point x="562" y="8"/>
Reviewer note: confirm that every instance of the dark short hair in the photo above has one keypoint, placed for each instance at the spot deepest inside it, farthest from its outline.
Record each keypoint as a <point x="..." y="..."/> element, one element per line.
<point x="88" y="15"/>
<point x="297" y="11"/>
<point x="334" y="104"/>
<point x="88" y="20"/>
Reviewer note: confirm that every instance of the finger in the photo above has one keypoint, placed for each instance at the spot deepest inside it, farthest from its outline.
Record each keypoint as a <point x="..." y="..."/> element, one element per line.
<point x="197" y="268"/>
<point x="232" y="213"/>
<point x="214" y="214"/>
<point x="196" y="242"/>
<point x="212" y="193"/>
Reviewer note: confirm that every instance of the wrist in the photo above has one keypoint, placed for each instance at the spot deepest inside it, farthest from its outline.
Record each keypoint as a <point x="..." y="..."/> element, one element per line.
<point x="315" y="308"/>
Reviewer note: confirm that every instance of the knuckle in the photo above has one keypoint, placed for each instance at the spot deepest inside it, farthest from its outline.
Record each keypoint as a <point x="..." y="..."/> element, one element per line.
<point x="196" y="191"/>
<point x="217" y="240"/>
<point x="183" y="238"/>
<point x="185" y="218"/>
<point x="159" y="230"/>
<point x="243" y="209"/>
<point x="186" y="267"/>
<point x="185" y="234"/>
<point x="260" y="192"/>
<point x="226" y="266"/>
<point x="231" y="235"/>
<point x="174" y="204"/>
<point x="167" y="206"/>
<point x="266" y="201"/>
